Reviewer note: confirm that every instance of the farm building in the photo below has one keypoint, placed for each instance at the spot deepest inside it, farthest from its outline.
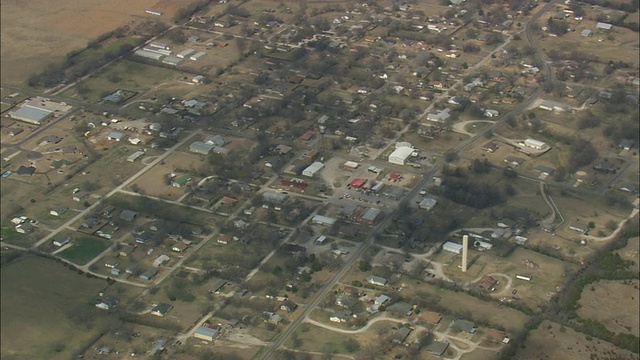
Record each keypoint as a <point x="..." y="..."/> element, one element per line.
<point x="153" y="12"/>
<point x="135" y="156"/>
<point x="377" y="280"/>
<point x="200" y="147"/>
<point x="185" y="53"/>
<point x="159" y="45"/>
<point x="452" y="247"/>
<point x="161" y="309"/>
<point x="172" y="60"/>
<point x="400" y="155"/>
<point x="523" y="277"/>
<point x="534" y="144"/>
<point x="197" y="56"/>
<point x="551" y="105"/>
<point x="163" y="52"/>
<point x="603" y="26"/>
<point x="206" y="333"/>
<point x="312" y="169"/>
<point x="148" y="54"/>
<point x="31" y="114"/>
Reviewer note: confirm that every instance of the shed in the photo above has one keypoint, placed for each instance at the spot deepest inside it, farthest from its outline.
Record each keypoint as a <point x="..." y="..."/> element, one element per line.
<point x="161" y="260"/>
<point x="452" y="247"/>
<point x="586" y="33"/>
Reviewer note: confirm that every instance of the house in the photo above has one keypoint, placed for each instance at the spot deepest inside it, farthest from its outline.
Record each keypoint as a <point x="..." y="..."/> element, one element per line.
<point x="507" y="223"/>
<point x="107" y="303"/>
<point x="438" y="348"/>
<point x="513" y="161"/>
<point x="440" y="117"/>
<point x="149" y="274"/>
<point x="427" y="203"/>
<point x="463" y="325"/>
<point x="161" y="309"/>
<point x="346" y="300"/>
<point x="126" y="251"/>
<point x="206" y="333"/>
<point x="544" y="170"/>
<point x="128" y="215"/>
<point x="275" y="319"/>
<point x="312" y="169"/>
<point x="490" y="147"/>
<point x="341" y="316"/>
<point x="24" y="228"/>
<point x="630" y="188"/>
<point x="61" y="241"/>
<point x="79" y="196"/>
<point x="496" y="336"/>
<point x="116" y="135"/>
<point x="180" y="247"/>
<point x="430" y="317"/>
<point x="376" y="280"/>
<point x="304" y="269"/>
<point x="58" y="211"/>
<point x="293" y="249"/>
<point x="401" y="308"/>
<point x="108" y="211"/>
<point x="288" y="306"/>
<point x="217" y="286"/>
<point x="89" y="223"/>
<point x="142" y="237"/>
<point x="161" y="260"/>
<point x="400" y="155"/>
<point x="401" y="335"/>
<point x="224" y="239"/>
<point x="579" y="227"/>
<point x="274" y="197"/>
<point x="452" y="247"/>
<point x="181" y="181"/>
<point x="605" y="167"/>
<point x="491" y="113"/>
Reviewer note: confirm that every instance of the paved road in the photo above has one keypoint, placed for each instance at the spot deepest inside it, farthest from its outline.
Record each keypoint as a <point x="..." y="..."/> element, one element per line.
<point x="112" y="192"/>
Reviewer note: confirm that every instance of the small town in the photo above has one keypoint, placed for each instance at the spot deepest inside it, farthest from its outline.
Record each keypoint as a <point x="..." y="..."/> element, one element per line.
<point x="320" y="179"/>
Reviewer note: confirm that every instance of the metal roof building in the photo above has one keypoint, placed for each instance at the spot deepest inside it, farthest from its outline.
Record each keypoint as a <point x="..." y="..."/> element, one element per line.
<point x="400" y="155"/>
<point x="199" y="147"/>
<point x="323" y="220"/>
<point x="452" y="247"/>
<point x="148" y="54"/>
<point x="31" y="114"/>
<point x="185" y="53"/>
<point x="172" y="60"/>
<point x="197" y="56"/>
<point x="313" y="169"/>
<point x="205" y="333"/>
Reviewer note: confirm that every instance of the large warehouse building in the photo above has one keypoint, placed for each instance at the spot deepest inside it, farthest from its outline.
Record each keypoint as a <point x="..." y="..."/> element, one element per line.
<point x="31" y="114"/>
<point x="400" y="155"/>
<point x="313" y="169"/>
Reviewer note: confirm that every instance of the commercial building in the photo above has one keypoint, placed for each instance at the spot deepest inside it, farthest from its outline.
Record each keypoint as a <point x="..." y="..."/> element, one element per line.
<point x="31" y="114"/>
<point x="312" y="169"/>
<point x="400" y="155"/>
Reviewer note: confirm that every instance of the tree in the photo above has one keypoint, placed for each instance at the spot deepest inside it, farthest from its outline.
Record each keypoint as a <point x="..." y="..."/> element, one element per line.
<point x="364" y="266"/>
<point x="351" y="345"/>
<point x="177" y="35"/>
<point x="582" y="153"/>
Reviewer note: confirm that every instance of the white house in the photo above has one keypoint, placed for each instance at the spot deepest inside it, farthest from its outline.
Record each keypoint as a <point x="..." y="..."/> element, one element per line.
<point x="440" y="117"/>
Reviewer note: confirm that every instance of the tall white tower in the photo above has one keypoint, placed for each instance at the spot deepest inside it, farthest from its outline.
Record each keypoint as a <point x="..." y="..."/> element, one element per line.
<point x="465" y="251"/>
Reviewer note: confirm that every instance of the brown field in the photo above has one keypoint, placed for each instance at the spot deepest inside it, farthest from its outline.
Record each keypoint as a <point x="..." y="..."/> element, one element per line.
<point x="630" y="252"/>
<point x="551" y="341"/>
<point x="47" y="310"/>
<point x="152" y="182"/>
<point x="39" y="33"/>
<point x="620" y="300"/>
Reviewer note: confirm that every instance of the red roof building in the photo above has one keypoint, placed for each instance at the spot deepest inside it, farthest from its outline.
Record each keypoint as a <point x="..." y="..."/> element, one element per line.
<point x="358" y="182"/>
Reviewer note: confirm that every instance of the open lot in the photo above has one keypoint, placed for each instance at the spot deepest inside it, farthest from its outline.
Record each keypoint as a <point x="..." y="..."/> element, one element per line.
<point x="39" y="295"/>
<point x="553" y="341"/>
<point x="612" y="303"/>
<point x="50" y="30"/>
<point x="84" y="249"/>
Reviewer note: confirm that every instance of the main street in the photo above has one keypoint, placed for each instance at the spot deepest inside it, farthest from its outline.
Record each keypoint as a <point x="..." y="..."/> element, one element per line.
<point x="315" y="301"/>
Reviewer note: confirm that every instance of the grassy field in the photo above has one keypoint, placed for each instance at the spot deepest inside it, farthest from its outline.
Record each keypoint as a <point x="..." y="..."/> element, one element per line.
<point x="553" y="341"/>
<point x="47" y="310"/>
<point x="621" y="301"/>
<point x="84" y="249"/>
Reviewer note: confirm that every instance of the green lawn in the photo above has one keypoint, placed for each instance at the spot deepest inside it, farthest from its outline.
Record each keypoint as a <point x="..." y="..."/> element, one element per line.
<point x="84" y="249"/>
